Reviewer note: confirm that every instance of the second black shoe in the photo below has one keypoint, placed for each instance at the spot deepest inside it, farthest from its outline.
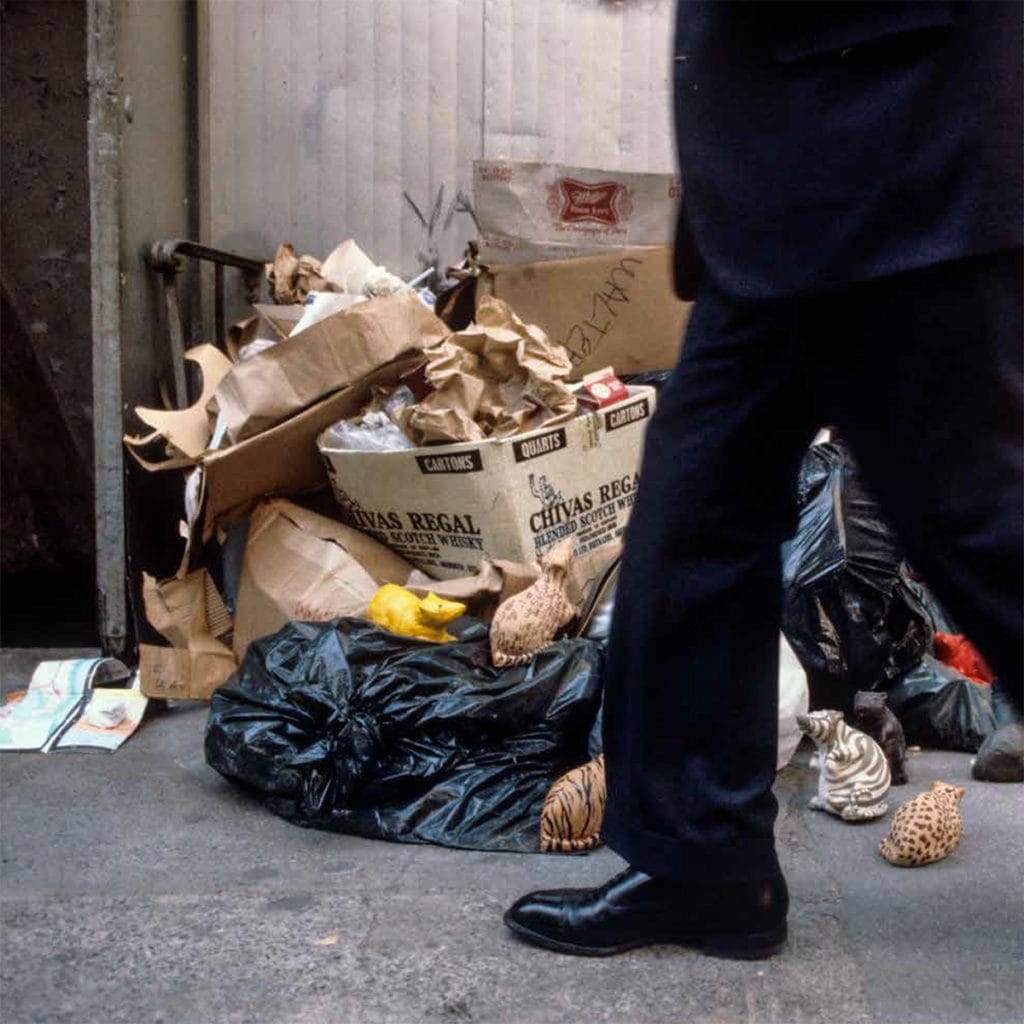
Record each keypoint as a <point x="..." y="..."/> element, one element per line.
<point x="743" y="920"/>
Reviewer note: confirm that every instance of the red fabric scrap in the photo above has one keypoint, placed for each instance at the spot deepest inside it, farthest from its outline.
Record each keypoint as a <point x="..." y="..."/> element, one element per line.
<point x="956" y="651"/>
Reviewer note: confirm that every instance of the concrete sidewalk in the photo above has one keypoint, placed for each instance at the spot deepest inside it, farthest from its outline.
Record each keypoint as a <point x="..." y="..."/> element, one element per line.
<point x="141" y="887"/>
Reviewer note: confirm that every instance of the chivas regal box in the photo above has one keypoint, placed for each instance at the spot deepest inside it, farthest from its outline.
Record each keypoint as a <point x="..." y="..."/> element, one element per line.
<point x="445" y="507"/>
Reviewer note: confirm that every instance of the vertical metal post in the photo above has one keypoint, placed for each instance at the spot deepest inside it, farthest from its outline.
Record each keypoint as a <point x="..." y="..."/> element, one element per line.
<point x="170" y="282"/>
<point x="218" y="305"/>
<point x="104" y="202"/>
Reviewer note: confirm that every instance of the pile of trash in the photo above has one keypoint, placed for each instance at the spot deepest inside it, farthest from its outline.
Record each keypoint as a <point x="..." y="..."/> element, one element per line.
<point x="859" y="618"/>
<point x="402" y="518"/>
<point x="397" y="535"/>
<point x="366" y="489"/>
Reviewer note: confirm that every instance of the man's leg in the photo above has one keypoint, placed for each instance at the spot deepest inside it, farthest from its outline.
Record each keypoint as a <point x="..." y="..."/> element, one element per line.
<point x="923" y="373"/>
<point x="691" y="702"/>
<point x="691" y="708"/>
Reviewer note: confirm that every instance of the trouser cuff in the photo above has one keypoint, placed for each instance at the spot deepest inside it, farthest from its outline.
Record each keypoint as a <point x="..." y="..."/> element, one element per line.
<point x="744" y="860"/>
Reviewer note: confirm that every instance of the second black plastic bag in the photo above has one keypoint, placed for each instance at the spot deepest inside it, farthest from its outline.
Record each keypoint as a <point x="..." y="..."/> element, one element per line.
<point x="847" y="610"/>
<point x="347" y="727"/>
<point x="939" y="707"/>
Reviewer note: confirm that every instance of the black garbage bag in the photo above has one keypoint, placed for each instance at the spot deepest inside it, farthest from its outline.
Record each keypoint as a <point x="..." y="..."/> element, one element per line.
<point x="1001" y="757"/>
<point x="846" y="611"/>
<point x="939" y="707"/>
<point x="347" y="727"/>
<point x="651" y="378"/>
<point x="939" y="619"/>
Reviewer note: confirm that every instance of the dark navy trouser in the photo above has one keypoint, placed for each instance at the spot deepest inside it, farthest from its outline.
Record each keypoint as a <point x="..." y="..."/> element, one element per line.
<point x="922" y="374"/>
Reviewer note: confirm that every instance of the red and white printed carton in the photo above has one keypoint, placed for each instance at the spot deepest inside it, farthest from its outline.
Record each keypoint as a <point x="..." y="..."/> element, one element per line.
<point x="601" y="388"/>
<point x="533" y="211"/>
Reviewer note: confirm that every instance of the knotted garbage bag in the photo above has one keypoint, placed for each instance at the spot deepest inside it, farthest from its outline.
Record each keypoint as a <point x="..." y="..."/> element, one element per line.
<point x="847" y="610"/>
<point x="347" y="727"/>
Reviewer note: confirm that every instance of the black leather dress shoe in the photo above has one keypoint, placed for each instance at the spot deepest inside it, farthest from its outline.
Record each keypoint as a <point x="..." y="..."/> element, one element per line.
<point x="743" y="920"/>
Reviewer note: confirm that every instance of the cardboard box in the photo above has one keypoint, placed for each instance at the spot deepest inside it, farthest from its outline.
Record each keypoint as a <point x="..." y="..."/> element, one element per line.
<point x="534" y="211"/>
<point x="617" y="309"/>
<point x="445" y="507"/>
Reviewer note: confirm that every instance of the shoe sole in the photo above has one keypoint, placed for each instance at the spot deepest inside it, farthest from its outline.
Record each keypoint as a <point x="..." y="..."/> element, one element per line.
<point x="756" y="946"/>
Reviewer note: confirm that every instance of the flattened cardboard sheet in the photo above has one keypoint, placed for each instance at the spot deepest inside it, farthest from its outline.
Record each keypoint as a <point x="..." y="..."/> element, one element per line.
<point x="284" y="461"/>
<point x="618" y="309"/>
<point x="274" y="385"/>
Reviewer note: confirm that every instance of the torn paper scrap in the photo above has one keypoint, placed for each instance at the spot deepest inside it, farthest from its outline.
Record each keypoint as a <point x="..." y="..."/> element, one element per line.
<point x="185" y="433"/>
<point x="292" y="277"/>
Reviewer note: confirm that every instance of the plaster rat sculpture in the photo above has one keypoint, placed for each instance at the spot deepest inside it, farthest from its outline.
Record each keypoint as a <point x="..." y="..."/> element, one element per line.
<point x="854" y="774"/>
<point x="528" y="621"/>
<point x="401" y="611"/>
<point x="574" y="810"/>
<point x="925" y="829"/>
<point x="873" y="717"/>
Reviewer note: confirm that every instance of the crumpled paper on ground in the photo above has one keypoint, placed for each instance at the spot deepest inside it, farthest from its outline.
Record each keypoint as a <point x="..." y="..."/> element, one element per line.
<point x="292" y="277"/>
<point x="497" y="378"/>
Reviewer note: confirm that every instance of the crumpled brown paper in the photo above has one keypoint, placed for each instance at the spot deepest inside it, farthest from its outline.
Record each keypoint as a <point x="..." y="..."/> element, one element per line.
<point x="497" y="378"/>
<point x="292" y="277"/>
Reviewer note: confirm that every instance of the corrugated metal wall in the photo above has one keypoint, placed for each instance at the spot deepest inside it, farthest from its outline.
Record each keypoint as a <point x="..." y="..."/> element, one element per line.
<point x="321" y="119"/>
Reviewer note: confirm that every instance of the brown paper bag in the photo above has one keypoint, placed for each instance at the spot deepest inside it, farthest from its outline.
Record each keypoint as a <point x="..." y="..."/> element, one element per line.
<point x="190" y="614"/>
<point x="302" y="566"/>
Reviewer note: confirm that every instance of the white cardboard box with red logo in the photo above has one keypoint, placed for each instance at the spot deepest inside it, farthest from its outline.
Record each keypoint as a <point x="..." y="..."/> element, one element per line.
<point x="445" y="507"/>
<point x="534" y="211"/>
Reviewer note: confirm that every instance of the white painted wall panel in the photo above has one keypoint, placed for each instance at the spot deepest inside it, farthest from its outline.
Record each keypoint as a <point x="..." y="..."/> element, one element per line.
<point x="324" y="118"/>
